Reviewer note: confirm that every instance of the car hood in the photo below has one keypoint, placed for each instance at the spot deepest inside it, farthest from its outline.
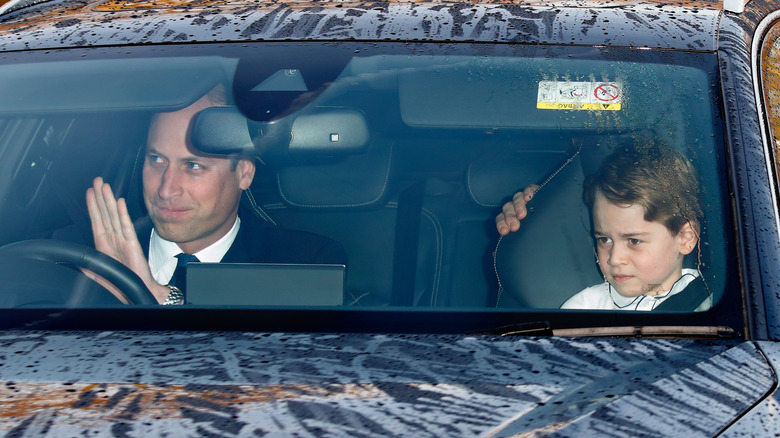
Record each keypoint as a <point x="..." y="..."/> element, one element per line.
<point x="188" y="383"/>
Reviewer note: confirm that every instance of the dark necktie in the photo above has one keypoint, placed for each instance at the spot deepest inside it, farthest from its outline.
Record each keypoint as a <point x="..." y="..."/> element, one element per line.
<point x="179" y="278"/>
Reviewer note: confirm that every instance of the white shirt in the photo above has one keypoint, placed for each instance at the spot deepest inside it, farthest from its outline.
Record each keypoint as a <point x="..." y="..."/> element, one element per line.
<point x="604" y="297"/>
<point x="162" y="253"/>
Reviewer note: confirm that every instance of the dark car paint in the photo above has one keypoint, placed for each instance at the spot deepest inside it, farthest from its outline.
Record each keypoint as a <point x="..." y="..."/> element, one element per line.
<point x="754" y="198"/>
<point x="236" y="384"/>
<point x="616" y="23"/>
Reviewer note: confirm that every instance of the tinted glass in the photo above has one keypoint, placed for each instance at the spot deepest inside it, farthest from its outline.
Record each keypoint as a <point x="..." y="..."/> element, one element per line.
<point x="400" y="154"/>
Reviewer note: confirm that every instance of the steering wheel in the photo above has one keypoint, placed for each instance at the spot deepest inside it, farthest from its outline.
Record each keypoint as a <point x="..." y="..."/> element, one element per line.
<point x="55" y="251"/>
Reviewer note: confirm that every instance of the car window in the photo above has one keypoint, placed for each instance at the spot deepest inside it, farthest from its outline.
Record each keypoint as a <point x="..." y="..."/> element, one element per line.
<point x="398" y="155"/>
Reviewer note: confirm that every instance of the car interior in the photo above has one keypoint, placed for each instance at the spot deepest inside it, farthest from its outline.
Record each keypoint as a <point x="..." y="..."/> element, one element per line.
<point x="403" y="157"/>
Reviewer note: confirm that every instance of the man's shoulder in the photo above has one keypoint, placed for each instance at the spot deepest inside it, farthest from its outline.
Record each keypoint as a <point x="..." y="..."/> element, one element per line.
<point x="261" y="242"/>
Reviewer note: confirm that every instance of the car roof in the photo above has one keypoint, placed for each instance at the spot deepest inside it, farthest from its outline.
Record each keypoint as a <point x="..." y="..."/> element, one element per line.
<point x="61" y="24"/>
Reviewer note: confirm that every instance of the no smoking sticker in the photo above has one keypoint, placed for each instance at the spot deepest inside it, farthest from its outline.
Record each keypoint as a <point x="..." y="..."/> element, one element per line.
<point x="593" y="96"/>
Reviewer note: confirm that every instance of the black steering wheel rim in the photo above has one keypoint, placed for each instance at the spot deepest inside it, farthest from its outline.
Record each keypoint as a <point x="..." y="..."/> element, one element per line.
<point x="55" y="251"/>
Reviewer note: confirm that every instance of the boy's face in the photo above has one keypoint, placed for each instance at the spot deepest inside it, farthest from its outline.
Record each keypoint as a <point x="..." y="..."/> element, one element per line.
<point x="638" y="257"/>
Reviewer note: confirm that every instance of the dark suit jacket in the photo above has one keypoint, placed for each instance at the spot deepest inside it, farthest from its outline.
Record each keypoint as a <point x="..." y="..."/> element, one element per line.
<point x="258" y="242"/>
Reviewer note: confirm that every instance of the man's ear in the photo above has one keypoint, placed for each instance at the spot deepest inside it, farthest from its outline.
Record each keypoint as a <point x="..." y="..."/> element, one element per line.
<point x="688" y="238"/>
<point x="246" y="172"/>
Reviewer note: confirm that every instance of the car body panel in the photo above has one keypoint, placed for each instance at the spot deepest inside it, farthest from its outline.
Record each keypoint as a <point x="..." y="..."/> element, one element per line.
<point x="763" y="419"/>
<point x="750" y="169"/>
<point x="422" y="385"/>
<point x="106" y="23"/>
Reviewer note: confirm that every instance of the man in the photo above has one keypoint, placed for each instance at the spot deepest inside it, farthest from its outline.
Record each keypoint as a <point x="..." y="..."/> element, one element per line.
<point x="193" y="204"/>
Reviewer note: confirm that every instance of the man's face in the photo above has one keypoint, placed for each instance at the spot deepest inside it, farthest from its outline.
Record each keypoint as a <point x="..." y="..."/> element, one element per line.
<point x="636" y="256"/>
<point x="191" y="198"/>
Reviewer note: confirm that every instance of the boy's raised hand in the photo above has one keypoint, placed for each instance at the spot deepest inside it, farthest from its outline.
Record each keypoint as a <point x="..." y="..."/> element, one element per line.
<point x="513" y="212"/>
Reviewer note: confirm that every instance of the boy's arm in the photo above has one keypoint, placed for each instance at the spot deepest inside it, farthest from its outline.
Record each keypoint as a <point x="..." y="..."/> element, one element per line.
<point x="513" y="212"/>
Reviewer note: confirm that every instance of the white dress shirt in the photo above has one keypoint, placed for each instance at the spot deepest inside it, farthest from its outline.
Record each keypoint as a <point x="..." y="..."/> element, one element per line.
<point x="604" y="297"/>
<point x="162" y="253"/>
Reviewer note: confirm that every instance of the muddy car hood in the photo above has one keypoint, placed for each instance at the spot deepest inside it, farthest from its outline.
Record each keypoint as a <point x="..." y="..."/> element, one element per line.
<point x="416" y="385"/>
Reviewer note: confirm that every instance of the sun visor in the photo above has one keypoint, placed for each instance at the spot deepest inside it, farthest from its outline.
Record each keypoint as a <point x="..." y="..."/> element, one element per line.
<point x="164" y="84"/>
<point x="522" y="93"/>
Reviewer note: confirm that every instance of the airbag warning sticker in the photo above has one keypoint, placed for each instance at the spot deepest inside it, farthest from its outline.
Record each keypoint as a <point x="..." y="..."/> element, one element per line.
<point x="594" y="96"/>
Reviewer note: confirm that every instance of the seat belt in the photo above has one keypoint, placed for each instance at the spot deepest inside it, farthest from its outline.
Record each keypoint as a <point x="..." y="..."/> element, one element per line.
<point x="688" y="299"/>
<point x="407" y="236"/>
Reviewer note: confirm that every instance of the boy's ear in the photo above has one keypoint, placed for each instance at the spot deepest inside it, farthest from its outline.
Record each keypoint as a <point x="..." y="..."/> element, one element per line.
<point x="689" y="237"/>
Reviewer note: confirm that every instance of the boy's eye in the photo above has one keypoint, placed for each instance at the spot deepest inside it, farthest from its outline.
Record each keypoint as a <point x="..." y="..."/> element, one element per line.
<point x="634" y="242"/>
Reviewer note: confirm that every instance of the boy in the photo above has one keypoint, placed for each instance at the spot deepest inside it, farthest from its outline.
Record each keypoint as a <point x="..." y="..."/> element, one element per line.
<point x="645" y="210"/>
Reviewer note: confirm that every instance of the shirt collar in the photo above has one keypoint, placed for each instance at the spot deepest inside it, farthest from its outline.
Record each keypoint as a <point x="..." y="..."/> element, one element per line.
<point x="162" y="252"/>
<point x="688" y="275"/>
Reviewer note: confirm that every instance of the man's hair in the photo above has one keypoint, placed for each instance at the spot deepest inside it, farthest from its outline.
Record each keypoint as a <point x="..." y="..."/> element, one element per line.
<point x="217" y="96"/>
<point x="658" y="178"/>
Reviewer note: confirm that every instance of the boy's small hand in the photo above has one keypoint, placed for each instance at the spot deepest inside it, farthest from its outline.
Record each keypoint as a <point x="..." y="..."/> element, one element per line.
<point x="513" y="212"/>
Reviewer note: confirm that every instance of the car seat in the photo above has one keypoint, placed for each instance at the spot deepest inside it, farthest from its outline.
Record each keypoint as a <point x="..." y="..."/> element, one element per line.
<point x="551" y="256"/>
<point x="393" y="244"/>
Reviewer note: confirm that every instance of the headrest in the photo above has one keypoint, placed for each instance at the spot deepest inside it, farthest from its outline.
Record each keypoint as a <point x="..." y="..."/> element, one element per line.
<point x="554" y="238"/>
<point x="346" y="181"/>
<point x="495" y="176"/>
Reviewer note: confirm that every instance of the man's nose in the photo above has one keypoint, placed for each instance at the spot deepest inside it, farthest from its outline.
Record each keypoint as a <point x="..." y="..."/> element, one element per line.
<point x="170" y="183"/>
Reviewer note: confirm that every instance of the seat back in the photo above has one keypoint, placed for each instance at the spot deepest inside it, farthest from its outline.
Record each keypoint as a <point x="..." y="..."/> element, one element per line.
<point x="353" y="200"/>
<point x="551" y="257"/>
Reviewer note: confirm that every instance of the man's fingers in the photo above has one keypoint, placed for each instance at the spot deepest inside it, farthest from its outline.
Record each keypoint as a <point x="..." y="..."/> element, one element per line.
<point x="128" y="230"/>
<point x="111" y="208"/>
<point x="102" y="213"/>
<point x="94" y="213"/>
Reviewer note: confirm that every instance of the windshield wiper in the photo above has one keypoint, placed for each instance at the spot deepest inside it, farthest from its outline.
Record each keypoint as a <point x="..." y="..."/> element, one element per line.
<point x="542" y="328"/>
<point x="717" y="332"/>
<point x="536" y="328"/>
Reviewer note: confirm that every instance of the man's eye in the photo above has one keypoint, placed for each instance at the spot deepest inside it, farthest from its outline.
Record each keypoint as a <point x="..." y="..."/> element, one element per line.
<point x="194" y="166"/>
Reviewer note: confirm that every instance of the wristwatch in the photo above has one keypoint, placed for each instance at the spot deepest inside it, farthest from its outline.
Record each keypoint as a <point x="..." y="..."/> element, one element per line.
<point x="175" y="297"/>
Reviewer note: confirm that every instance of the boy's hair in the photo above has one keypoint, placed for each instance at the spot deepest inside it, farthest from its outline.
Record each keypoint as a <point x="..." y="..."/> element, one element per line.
<point x="658" y="178"/>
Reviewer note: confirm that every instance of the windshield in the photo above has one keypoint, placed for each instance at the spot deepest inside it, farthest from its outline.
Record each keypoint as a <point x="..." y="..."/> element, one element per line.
<point x="364" y="177"/>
